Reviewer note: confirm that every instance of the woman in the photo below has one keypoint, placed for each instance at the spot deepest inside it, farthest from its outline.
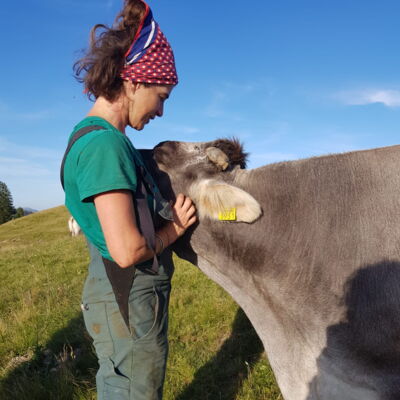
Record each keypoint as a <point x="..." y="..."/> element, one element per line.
<point x="129" y="70"/>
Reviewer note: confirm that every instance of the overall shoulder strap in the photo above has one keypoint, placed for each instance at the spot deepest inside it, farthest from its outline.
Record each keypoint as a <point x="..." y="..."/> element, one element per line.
<point x="77" y="135"/>
<point x="163" y="207"/>
<point x="145" y="220"/>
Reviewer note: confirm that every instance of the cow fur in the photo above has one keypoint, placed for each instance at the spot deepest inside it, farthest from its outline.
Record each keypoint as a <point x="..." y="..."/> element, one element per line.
<point x="318" y="273"/>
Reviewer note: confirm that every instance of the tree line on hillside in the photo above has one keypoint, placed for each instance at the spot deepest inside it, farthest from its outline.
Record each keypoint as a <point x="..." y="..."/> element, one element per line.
<point x="7" y="210"/>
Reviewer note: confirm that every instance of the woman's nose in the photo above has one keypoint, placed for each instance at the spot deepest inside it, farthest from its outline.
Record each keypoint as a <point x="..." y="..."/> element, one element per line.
<point x="160" y="110"/>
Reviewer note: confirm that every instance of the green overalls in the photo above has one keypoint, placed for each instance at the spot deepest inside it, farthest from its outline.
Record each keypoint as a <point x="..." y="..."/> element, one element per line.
<point x="132" y="358"/>
<point x="132" y="361"/>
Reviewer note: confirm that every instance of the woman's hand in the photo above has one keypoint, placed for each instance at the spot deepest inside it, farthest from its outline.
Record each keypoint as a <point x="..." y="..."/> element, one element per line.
<point x="184" y="216"/>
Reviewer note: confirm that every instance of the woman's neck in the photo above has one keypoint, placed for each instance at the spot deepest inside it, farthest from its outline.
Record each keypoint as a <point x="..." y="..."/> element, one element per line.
<point x="114" y="112"/>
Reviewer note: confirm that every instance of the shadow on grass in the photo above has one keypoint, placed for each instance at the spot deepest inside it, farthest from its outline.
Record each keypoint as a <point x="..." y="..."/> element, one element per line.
<point x="221" y="378"/>
<point x="64" y="369"/>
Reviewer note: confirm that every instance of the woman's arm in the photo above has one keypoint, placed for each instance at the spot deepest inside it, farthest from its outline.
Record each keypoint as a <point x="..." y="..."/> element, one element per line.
<point x="124" y="241"/>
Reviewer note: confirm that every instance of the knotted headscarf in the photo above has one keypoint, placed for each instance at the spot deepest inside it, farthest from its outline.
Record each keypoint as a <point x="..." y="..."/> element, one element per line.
<point x="150" y="58"/>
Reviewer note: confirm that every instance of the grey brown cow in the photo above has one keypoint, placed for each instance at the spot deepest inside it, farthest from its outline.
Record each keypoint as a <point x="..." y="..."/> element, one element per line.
<point x="313" y="258"/>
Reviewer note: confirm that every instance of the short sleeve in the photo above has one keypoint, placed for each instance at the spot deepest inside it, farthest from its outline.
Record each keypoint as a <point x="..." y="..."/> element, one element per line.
<point x="106" y="163"/>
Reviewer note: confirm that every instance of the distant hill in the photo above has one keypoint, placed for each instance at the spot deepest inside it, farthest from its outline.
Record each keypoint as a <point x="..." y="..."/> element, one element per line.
<point x="28" y="210"/>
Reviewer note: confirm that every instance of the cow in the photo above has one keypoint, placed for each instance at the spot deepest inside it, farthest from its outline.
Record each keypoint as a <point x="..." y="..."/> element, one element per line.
<point x="73" y="227"/>
<point x="309" y="249"/>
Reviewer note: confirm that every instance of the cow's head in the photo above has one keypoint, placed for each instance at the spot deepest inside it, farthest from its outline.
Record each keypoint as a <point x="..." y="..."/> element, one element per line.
<point x="205" y="172"/>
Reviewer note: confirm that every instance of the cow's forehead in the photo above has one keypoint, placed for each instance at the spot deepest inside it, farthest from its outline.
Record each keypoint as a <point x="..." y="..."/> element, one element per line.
<point x="194" y="146"/>
<point x="193" y="153"/>
<point x="196" y="152"/>
<point x="175" y="155"/>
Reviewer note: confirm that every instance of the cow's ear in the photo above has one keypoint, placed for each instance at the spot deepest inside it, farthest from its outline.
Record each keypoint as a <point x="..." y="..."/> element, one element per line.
<point x="220" y="201"/>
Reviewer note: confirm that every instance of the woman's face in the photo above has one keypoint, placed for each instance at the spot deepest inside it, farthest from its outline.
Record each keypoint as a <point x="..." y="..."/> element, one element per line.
<point x="145" y="103"/>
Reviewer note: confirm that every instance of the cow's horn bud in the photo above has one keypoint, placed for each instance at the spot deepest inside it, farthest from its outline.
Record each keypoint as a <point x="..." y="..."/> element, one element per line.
<point x="218" y="157"/>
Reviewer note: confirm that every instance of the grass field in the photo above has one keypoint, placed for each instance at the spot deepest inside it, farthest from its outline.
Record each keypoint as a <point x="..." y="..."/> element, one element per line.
<point x="45" y="352"/>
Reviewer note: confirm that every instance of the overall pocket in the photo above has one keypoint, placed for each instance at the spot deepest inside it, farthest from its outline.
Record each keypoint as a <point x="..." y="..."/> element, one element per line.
<point x="144" y="312"/>
<point x="148" y="311"/>
<point x="111" y="383"/>
<point x="96" y="322"/>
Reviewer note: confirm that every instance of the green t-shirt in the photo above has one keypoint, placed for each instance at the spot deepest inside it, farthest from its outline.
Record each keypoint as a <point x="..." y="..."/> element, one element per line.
<point x="98" y="162"/>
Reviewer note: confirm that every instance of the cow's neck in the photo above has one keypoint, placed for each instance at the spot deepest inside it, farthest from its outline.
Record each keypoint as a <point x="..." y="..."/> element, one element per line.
<point x="288" y="352"/>
<point x="301" y="370"/>
<point x="261" y="267"/>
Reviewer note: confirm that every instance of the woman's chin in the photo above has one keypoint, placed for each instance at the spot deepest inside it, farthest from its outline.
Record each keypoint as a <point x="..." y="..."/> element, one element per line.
<point x="137" y="127"/>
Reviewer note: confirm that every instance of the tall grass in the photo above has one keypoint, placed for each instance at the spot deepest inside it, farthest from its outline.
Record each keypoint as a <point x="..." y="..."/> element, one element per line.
<point x="45" y="352"/>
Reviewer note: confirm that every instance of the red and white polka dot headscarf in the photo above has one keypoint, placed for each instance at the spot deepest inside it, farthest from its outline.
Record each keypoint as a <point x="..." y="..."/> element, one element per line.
<point x="150" y="58"/>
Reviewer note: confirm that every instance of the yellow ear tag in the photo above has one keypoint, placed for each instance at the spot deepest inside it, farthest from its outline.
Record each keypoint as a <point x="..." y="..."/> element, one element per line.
<point x="227" y="215"/>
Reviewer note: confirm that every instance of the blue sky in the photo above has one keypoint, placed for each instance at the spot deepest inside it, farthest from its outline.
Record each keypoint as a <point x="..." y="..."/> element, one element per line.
<point x="291" y="79"/>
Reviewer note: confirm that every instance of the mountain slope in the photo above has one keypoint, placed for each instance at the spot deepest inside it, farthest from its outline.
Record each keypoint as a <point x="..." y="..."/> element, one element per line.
<point x="46" y="354"/>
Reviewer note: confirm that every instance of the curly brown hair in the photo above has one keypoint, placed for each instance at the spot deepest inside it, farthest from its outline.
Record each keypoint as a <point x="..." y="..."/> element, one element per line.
<point x="99" y="70"/>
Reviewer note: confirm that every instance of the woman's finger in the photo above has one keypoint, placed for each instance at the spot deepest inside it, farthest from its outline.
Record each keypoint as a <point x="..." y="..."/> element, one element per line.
<point x="191" y="211"/>
<point x="179" y="200"/>
<point x="191" y="221"/>
<point x="187" y="203"/>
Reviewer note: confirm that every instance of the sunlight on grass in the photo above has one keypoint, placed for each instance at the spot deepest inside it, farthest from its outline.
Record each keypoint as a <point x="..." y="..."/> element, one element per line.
<point x="45" y="352"/>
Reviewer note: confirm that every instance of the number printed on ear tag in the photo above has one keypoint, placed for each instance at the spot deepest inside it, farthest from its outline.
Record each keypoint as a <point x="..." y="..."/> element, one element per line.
<point x="227" y="215"/>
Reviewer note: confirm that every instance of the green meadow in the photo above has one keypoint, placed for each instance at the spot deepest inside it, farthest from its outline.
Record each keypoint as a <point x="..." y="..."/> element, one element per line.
<point x="45" y="352"/>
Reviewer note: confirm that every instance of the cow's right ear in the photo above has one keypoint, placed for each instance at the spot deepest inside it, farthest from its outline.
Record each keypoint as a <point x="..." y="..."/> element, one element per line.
<point x="215" y="198"/>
